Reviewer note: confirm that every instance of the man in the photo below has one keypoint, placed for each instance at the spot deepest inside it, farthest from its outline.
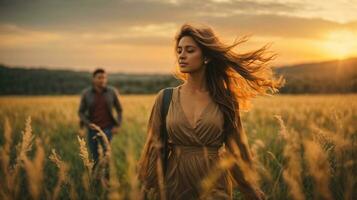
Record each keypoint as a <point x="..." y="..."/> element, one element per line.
<point x="96" y="109"/>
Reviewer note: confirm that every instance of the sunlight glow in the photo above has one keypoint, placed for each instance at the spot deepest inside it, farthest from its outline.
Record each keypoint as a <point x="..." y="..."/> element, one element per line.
<point x="341" y="44"/>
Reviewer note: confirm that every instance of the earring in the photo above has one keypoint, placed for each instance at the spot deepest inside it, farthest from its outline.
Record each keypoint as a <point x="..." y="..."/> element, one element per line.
<point x="206" y="61"/>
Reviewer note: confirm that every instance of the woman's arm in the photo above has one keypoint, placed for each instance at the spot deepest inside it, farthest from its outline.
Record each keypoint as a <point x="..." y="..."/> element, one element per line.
<point x="149" y="165"/>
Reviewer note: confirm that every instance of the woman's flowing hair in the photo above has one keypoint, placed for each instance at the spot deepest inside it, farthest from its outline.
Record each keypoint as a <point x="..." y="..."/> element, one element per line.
<point x="232" y="78"/>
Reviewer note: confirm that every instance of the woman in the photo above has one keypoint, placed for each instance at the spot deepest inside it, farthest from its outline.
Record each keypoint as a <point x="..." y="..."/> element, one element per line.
<point x="203" y="120"/>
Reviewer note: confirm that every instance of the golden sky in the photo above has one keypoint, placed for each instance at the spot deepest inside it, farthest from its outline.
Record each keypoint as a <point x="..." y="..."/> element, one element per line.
<point x="137" y="36"/>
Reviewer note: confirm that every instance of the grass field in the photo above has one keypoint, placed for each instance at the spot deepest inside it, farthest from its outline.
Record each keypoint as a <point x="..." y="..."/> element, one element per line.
<point x="306" y="146"/>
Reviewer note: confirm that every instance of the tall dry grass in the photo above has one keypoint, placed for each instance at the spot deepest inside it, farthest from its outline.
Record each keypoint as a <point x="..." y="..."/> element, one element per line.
<point x="292" y="172"/>
<point x="304" y="148"/>
<point x="33" y="166"/>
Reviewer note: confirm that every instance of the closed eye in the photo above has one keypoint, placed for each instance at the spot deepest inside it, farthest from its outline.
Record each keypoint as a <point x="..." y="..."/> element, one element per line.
<point x="190" y="50"/>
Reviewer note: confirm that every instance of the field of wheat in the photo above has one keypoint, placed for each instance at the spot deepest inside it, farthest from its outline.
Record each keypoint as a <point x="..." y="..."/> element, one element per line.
<point x="306" y="147"/>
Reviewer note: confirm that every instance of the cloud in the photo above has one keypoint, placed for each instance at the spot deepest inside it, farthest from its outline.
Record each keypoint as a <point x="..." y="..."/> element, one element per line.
<point x="84" y="14"/>
<point x="278" y="26"/>
<point x="141" y="32"/>
<point x="261" y="17"/>
<point x="12" y="36"/>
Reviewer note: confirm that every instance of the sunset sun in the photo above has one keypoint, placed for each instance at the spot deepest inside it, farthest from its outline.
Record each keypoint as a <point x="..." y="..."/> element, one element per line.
<point x="341" y="44"/>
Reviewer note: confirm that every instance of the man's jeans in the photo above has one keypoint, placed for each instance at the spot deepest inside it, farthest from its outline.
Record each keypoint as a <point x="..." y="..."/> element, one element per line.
<point x="94" y="143"/>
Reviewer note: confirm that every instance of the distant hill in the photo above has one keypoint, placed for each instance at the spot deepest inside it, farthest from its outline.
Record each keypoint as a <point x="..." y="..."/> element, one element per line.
<point x="338" y="76"/>
<point x="324" y="77"/>
<point x="38" y="81"/>
<point x="41" y="81"/>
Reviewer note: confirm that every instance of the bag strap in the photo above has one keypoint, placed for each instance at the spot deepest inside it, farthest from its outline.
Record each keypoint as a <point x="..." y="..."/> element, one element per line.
<point x="164" y="110"/>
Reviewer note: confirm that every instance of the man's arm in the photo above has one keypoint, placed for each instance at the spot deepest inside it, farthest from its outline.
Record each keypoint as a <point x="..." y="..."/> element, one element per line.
<point x="118" y="107"/>
<point x="83" y="107"/>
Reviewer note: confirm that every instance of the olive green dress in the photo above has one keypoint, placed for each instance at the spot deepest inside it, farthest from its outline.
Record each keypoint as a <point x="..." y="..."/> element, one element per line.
<point x="194" y="156"/>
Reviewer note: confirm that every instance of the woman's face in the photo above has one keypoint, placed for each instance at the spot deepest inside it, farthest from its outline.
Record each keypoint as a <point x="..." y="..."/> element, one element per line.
<point x="189" y="55"/>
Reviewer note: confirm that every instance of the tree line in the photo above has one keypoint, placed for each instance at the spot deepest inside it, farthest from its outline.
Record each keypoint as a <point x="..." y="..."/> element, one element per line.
<point x="325" y="77"/>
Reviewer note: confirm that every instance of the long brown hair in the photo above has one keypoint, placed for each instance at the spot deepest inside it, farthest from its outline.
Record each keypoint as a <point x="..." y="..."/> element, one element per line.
<point x="232" y="79"/>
